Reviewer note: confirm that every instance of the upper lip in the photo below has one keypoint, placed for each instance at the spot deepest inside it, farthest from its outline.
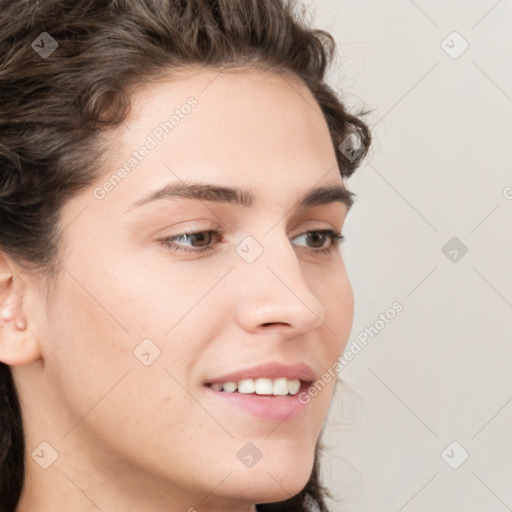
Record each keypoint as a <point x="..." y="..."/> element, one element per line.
<point x="272" y="370"/>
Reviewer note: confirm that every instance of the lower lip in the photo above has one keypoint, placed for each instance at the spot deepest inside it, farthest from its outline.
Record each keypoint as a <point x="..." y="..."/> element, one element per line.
<point x="270" y="407"/>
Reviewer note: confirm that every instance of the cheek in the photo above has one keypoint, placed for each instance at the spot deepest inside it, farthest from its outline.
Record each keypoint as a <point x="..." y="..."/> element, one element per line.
<point x="87" y="347"/>
<point x="341" y="310"/>
<point x="106" y="319"/>
<point x="97" y="372"/>
<point x="337" y="298"/>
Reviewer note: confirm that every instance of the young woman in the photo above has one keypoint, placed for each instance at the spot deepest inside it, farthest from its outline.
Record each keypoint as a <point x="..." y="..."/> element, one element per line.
<point x="171" y="286"/>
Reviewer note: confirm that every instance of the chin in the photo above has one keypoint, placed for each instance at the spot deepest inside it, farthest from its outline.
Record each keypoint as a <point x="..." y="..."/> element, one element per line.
<point x="280" y="477"/>
<point x="271" y="489"/>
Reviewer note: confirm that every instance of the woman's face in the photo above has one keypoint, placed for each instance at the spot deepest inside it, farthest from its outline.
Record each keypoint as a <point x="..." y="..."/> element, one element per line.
<point x="144" y="316"/>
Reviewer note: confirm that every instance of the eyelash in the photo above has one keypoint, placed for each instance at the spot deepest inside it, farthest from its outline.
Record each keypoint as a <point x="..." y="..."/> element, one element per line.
<point x="335" y="238"/>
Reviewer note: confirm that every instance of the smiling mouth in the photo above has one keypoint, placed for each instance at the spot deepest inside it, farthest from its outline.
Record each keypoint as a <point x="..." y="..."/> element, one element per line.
<point x="263" y="386"/>
<point x="270" y="399"/>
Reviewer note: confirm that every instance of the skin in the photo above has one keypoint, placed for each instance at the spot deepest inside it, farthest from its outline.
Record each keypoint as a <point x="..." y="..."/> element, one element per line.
<point x="131" y="437"/>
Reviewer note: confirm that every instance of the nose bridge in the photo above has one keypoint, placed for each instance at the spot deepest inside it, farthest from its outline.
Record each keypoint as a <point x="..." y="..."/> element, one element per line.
<point x="275" y="291"/>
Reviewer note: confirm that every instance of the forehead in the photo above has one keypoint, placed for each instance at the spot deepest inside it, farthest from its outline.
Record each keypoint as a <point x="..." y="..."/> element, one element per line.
<point x="237" y="108"/>
<point x="252" y="129"/>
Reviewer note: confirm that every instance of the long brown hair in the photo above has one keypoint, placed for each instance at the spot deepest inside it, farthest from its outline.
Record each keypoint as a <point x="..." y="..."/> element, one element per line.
<point x="59" y="95"/>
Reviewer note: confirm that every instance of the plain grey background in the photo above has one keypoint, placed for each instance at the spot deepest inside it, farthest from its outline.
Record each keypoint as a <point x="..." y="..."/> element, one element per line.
<point x="421" y="419"/>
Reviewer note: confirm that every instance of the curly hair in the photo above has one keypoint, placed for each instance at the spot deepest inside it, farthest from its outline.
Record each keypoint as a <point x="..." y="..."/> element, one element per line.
<point x="55" y="108"/>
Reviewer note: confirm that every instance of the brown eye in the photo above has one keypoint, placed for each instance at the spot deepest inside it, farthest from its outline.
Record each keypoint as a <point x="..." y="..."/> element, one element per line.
<point x="316" y="239"/>
<point x="320" y="241"/>
<point x="192" y="242"/>
<point x="200" y="239"/>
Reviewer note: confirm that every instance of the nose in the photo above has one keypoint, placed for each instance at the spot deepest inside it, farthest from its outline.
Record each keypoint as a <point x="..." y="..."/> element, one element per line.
<point x="275" y="294"/>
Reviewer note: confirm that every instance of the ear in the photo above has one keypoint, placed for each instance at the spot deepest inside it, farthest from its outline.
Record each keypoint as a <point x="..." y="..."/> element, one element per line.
<point x="18" y="345"/>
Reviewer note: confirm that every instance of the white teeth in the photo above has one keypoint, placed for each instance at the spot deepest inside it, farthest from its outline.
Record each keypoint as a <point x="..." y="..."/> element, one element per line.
<point x="246" y="386"/>
<point x="262" y="386"/>
<point x="229" y="387"/>
<point x="293" y="386"/>
<point x="281" y="386"/>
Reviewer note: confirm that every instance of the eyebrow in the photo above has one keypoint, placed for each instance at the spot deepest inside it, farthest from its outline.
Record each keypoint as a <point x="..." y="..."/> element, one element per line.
<point x="240" y="197"/>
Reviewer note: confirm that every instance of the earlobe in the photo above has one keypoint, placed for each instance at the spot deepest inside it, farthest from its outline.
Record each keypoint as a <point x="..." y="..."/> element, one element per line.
<point x="10" y="311"/>
<point x="17" y="344"/>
